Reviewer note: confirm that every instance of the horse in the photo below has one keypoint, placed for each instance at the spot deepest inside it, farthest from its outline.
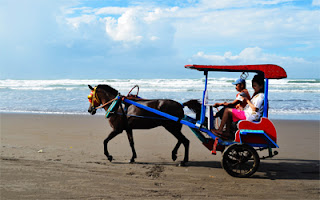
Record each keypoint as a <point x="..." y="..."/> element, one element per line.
<point x="137" y="118"/>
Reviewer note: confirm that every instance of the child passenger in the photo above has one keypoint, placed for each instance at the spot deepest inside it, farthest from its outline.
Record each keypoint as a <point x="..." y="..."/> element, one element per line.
<point x="238" y="103"/>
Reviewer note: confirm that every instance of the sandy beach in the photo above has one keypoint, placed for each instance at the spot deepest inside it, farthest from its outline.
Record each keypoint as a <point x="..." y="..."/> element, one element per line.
<point x="61" y="157"/>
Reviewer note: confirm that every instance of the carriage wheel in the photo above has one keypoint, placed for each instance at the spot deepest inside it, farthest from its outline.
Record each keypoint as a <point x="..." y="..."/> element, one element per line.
<point x="240" y="160"/>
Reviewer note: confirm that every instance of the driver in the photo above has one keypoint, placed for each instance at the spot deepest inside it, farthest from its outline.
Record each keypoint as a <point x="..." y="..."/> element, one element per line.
<point x="238" y="103"/>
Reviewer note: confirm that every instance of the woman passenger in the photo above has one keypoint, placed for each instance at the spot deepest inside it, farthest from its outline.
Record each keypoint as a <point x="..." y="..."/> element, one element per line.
<point x="252" y="112"/>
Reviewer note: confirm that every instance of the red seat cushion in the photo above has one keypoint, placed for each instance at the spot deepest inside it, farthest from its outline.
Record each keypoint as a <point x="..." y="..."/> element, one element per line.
<point x="265" y="125"/>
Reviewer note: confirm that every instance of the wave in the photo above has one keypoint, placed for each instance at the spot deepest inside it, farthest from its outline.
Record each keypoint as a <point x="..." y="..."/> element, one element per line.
<point x="305" y="81"/>
<point x="313" y="85"/>
<point x="124" y="90"/>
<point x="41" y="88"/>
<point x="294" y="111"/>
<point x="46" y="112"/>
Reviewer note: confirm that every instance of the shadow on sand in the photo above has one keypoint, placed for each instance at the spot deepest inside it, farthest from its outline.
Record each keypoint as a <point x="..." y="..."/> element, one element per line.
<point x="269" y="169"/>
<point x="278" y="169"/>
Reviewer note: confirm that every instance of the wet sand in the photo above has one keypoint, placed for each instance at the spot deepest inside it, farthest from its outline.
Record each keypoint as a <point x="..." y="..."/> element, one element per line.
<point x="61" y="157"/>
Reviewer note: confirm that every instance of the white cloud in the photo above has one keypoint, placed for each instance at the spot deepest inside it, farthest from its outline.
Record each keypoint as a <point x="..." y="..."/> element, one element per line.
<point x="76" y="21"/>
<point x="68" y="11"/>
<point x="275" y="31"/>
<point x="247" y="25"/>
<point x="154" y="38"/>
<point x="160" y="13"/>
<point x="225" y="4"/>
<point x="210" y="26"/>
<point x="217" y="4"/>
<point x="250" y="55"/>
<point x="251" y="24"/>
<point x="272" y="2"/>
<point x="132" y="25"/>
<point x="139" y="24"/>
<point x="111" y="10"/>
<point x="125" y="28"/>
<point x="316" y="2"/>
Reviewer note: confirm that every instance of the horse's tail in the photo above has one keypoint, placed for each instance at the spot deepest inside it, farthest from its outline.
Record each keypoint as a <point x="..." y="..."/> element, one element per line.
<point x="195" y="106"/>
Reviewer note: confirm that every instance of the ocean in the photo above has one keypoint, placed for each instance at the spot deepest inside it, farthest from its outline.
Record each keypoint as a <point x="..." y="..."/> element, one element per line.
<point x="288" y="98"/>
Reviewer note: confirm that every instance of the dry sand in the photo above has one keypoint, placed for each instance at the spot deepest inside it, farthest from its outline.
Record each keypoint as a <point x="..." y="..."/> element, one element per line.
<point x="61" y="157"/>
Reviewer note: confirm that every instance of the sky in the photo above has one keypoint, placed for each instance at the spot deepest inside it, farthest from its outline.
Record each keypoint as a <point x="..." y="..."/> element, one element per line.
<point x="104" y="39"/>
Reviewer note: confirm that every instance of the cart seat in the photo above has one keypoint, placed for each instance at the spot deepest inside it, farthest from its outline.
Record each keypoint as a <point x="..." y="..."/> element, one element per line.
<point x="265" y="126"/>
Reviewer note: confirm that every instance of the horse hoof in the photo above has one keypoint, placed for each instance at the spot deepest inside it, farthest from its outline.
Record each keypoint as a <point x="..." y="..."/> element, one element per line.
<point x="174" y="157"/>
<point x="182" y="164"/>
<point x="131" y="160"/>
<point x="110" y="158"/>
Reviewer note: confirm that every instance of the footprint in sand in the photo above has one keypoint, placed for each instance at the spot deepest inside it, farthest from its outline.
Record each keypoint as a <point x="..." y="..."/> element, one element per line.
<point x="155" y="171"/>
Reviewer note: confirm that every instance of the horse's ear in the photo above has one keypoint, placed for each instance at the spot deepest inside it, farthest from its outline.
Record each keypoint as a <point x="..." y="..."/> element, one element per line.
<point x="91" y="88"/>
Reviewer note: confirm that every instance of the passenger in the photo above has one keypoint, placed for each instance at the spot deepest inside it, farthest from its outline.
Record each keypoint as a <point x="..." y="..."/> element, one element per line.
<point x="252" y="112"/>
<point x="238" y="103"/>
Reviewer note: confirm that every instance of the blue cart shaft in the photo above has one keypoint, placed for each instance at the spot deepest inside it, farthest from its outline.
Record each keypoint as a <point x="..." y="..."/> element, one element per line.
<point x="174" y="118"/>
<point x="168" y="116"/>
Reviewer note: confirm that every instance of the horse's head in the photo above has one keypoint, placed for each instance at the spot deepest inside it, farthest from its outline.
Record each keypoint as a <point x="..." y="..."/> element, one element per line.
<point x="99" y="95"/>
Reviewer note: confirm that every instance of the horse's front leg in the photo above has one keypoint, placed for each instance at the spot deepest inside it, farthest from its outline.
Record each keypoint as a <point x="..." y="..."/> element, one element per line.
<point x="130" y="138"/>
<point x="105" y="143"/>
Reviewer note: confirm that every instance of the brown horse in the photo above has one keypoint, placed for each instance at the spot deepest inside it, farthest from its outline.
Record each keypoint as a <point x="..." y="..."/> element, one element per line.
<point x="132" y="117"/>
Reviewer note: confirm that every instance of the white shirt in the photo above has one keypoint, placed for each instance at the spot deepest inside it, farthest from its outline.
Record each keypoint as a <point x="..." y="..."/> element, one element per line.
<point x="257" y="101"/>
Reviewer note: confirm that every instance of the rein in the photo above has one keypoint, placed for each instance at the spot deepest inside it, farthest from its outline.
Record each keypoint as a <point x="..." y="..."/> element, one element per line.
<point x="105" y="104"/>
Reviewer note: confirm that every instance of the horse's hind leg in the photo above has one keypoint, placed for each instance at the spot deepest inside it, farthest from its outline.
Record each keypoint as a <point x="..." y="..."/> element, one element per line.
<point x="185" y="143"/>
<point x="181" y="139"/>
<point x="175" y="151"/>
<point x="105" y="143"/>
<point x="130" y="138"/>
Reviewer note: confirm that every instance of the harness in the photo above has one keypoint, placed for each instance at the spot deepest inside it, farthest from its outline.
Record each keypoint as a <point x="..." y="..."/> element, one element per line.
<point x="114" y="105"/>
<point x="116" y="102"/>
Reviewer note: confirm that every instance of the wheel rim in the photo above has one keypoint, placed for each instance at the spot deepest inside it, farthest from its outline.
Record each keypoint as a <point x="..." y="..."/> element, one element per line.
<point x="240" y="160"/>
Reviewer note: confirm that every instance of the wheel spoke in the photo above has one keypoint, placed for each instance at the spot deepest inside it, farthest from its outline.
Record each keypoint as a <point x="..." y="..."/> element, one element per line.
<point x="249" y="167"/>
<point x="236" y="169"/>
<point x="240" y="168"/>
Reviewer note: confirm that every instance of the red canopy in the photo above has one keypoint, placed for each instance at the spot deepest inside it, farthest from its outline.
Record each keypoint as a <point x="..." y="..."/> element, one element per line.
<point x="270" y="71"/>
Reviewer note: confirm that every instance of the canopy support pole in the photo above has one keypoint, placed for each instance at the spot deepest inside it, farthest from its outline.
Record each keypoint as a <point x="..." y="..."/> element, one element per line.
<point x="203" y="106"/>
<point x="266" y="103"/>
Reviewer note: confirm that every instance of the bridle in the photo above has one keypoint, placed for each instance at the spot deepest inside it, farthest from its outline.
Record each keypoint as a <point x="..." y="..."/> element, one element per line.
<point x="93" y="98"/>
<point x="95" y="101"/>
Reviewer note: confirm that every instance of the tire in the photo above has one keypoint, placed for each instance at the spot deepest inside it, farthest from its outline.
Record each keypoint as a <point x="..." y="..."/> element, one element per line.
<point x="240" y="160"/>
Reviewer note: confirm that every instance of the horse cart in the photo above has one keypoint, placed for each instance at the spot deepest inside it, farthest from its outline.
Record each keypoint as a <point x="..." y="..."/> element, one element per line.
<point x="239" y="155"/>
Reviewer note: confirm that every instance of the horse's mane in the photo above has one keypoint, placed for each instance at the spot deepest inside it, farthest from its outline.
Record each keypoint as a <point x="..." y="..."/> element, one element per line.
<point x="109" y="89"/>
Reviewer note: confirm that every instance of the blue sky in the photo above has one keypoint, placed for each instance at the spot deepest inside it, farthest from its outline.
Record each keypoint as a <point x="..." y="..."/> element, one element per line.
<point x="58" y="39"/>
